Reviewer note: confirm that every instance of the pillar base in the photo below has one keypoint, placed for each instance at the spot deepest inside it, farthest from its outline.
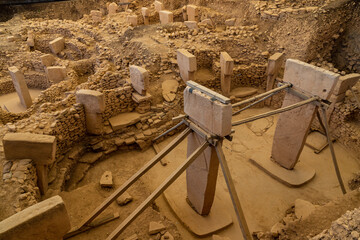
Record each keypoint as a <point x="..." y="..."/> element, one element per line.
<point x="218" y="218"/>
<point x="296" y="177"/>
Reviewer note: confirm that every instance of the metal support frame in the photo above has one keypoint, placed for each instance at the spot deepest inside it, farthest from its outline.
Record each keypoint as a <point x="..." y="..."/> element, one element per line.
<point x="323" y="105"/>
<point x="262" y="95"/>
<point x="157" y="192"/>
<point x="333" y="156"/>
<point x="232" y="191"/>
<point x="128" y="183"/>
<point x="280" y="110"/>
<point x="209" y="140"/>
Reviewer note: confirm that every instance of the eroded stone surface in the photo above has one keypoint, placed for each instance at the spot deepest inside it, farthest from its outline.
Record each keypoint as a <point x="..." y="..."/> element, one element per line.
<point x="45" y="220"/>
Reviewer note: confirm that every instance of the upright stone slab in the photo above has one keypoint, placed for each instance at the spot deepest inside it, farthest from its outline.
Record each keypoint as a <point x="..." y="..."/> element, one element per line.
<point x="139" y="79"/>
<point x="345" y="83"/>
<point x="159" y="6"/>
<point x="293" y="126"/>
<point x="55" y="74"/>
<point x="201" y="176"/>
<point x="187" y="64"/>
<point x="214" y="117"/>
<point x="227" y="67"/>
<point x="96" y="16"/>
<point x="20" y="86"/>
<point x="112" y="8"/>
<point x="192" y="13"/>
<point x="166" y="17"/>
<point x="146" y="15"/>
<point x="274" y="65"/>
<point x="94" y="104"/>
<point x="47" y="60"/>
<point x="43" y="221"/>
<point x="40" y="148"/>
<point x="57" y="45"/>
<point x="132" y="20"/>
<point x="184" y="13"/>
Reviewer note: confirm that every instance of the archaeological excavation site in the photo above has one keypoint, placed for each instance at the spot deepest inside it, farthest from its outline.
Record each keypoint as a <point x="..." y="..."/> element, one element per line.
<point x="180" y="120"/>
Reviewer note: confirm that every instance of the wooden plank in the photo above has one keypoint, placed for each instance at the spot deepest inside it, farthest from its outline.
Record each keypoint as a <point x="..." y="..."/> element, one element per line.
<point x="293" y="126"/>
<point x="233" y="194"/>
<point x="157" y="192"/>
<point x="156" y="148"/>
<point x="135" y="177"/>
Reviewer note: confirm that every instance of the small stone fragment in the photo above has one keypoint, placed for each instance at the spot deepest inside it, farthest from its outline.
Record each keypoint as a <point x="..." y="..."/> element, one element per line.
<point x="124" y="199"/>
<point x="156" y="227"/>
<point x="106" y="179"/>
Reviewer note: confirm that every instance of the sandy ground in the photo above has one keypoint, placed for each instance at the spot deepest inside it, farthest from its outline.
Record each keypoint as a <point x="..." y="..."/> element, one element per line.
<point x="264" y="200"/>
<point x="12" y="103"/>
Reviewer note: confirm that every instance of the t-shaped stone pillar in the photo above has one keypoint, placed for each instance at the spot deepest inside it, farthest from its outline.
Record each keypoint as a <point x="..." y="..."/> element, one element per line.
<point x="227" y="66"/>
<point x="40" y="148"/>
<point x="146" y="15"/>
<point x="20" y="86"/>
<point x="201" y="176"/>
<point x="187" y="65"/>
<point x="94" y="104"/>
<point x="293" y="126"/>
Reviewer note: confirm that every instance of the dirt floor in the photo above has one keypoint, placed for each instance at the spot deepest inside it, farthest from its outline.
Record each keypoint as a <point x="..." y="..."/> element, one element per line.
<point x="263" y="199"/>
<point x="11" y="101"/>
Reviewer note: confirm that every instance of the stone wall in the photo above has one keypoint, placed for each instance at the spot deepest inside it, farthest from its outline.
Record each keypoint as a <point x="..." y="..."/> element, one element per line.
<point x="118" y="100"/>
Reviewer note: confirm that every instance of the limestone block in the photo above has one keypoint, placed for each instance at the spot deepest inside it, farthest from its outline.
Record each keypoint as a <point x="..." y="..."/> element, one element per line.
<point x="293" y="126"/>
<point x="132" y="20"/>
<point x="93" y="101"/>
<point x="184" y="13"/>
<point x="140" y="98"/>
<point x="139" y="79"/>
<point x="230" y="22"/>
<point x="45" y="220"/>
<point x="145" y="13"/>
<point x="159" y="6"/>
<point x="20" y="86"/>
<point x="40" y="148"/>
<point x="57" y="45"/>
<point x="298" y="73"/>
<point x="274" y="63"/>
<point x="166" y="17"/>
<point x="94" y="123"/>
<point x="226" y="63"/>
<point x="47" y="60"/>
<point x="96" y="16"/>
<point x="187" y="64"/>
<point x="191" y="24"/>
<point x="55" y="74"/>
<point x="156" y="227"/>
<point x="106" y="179"/>
<point x="208" y="23"/>
<point x="124" y="199"/>
<point x="213" y="116"/>
<point x="346" y="82"/>
<point x="192" y="12"/>
<point x="112" y="8"/>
